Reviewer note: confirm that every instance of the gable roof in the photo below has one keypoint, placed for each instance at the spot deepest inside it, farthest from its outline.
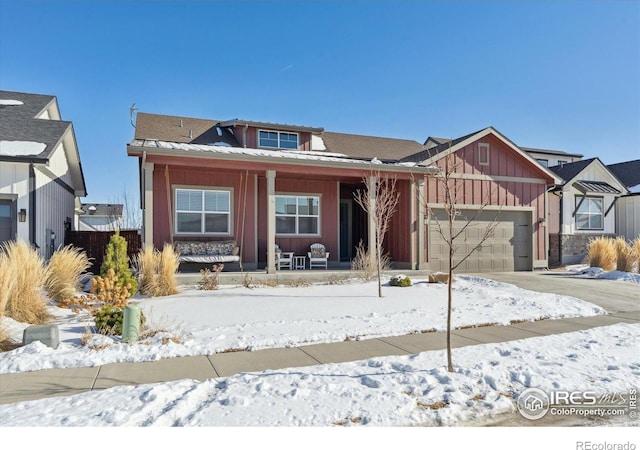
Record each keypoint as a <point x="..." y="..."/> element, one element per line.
<point x="368" y="147"/>
<point x="430" y="155"/>
<point x="102" y="209"/>
<point x="569" y="171"/>
<point x="18" y="122"/>
<point x="628" y="172"/>
<point x="443" y="145"/>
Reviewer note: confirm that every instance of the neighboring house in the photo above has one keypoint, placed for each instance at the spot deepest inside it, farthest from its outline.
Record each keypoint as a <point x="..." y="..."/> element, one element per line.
<point x="41" y="177"/>
<point x="550" y="158"/>
<point x="583" y="206"/>
<point x="628" y="206"/>
<point x="99" y="217"/>
<point x="261" y="183"/>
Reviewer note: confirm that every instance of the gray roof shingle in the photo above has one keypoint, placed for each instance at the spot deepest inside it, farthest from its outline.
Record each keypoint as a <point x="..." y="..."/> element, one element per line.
<point x="628" y="172"/>
<point x="569" y="170"/>
<point x="18" y="122"/>
<point x="369" y="147"/>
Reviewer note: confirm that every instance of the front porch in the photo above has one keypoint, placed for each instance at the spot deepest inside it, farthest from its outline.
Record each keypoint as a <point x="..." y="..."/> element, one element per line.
<point x="258" y="206"/>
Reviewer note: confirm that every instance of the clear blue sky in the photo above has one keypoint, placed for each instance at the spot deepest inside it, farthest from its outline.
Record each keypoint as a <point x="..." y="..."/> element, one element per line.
<point x="560" y="75"/>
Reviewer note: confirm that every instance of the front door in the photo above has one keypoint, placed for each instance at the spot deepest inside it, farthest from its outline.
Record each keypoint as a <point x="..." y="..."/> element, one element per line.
<point x="7" y="221"/>
<point x="346" y="242"/>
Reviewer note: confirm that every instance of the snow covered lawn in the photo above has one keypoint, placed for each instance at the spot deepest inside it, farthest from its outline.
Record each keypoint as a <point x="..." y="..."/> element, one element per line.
<point x="585" y="271"/>
<point x="239" y="318"/>
<point x="389" y="391"/>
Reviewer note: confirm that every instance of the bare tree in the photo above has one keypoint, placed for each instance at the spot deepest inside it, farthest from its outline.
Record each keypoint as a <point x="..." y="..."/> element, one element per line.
<point x="378" y="199"/>
<point x="131" y="218"/>
<point x="453" y="227"/>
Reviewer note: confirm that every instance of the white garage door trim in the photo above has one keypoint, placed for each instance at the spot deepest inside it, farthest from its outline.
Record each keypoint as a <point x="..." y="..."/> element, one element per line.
<point x="433" y="237"/>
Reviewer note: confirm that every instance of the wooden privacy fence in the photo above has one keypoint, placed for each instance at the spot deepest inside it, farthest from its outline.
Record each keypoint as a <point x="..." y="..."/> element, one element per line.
<point x="94" y="243"/>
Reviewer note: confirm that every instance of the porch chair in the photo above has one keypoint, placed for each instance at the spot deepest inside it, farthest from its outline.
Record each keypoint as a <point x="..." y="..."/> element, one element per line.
<point x="283" y="259"/>
<point x="318" y="256"/>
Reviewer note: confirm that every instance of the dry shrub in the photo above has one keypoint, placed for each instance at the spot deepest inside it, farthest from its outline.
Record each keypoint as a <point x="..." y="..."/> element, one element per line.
<point x="169" y="262"/>
<point x="298" y="282"/>
<point x="25" y="301"/>
<point x="636" y="252"/>
<point x="146" y="265"/>
<point x="64" y="272"/>
<point x="108" y="290"/>
<point x="209" y="281"/>
<point x="363" y="265"/>
<point x="7" y="281"/>
<point x="625" y="258"/>
<point x="157" y="270"/>
<point x="602" y="253"/>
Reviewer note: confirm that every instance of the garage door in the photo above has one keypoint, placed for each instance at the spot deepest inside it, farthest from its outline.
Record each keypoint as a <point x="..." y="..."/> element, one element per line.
<point x="508" y="249"/>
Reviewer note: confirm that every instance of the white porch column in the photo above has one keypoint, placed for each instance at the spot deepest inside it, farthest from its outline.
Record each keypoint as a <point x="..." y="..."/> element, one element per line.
<point x="420" y="222"/>
<point x="147" y="218"/>
<point x="271" y="221"/>
<point x="414" y="198"/>
<point x="372" y="188"/>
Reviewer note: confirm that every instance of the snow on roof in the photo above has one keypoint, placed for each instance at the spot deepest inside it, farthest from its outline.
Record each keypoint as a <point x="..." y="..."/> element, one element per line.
<point x="21" y="148"/>
<point x="10" y="102"/>
<point x="317" y="143"/>
<point x="279" y="154"/>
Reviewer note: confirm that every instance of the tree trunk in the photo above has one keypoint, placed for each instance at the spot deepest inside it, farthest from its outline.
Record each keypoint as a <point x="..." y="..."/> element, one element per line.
<point x="378" y="265"/>
<point x="449" y="359"/>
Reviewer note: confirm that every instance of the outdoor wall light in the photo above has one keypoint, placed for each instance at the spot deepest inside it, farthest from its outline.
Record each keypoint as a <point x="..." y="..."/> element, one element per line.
<point x="22" y="215"/>
<point x="53" y="236"/>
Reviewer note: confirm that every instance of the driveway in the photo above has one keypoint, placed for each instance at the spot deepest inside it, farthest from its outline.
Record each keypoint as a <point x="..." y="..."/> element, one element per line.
<point x="614" y="296"/>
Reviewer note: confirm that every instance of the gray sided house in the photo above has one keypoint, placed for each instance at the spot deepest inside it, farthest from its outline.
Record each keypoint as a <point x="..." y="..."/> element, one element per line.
<point x="585" y="205"/>
<point x="628" y="206"/>
<point x="41" y="177"/>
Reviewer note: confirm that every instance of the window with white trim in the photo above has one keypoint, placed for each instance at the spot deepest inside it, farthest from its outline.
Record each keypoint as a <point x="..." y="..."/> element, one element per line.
<point x="543" y="162"/>
<point x="297" y="214"/>
<point x="277" y="139"/>
<point x="590" y="213"/>
<point x="483" y="154"/>
<point x="202" y="211"/>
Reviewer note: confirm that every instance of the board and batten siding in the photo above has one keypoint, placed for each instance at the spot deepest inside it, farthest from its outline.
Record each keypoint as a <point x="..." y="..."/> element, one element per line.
<point x="190" y="177"/>
<point x="509" y="181"/>
<point x="329" y="198"/>
<point x="628" y="216"/>
<point x="14" y="181"/>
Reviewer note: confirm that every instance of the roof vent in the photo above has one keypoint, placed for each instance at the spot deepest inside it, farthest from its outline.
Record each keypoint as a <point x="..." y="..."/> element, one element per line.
<point x="92" y="209"/>
<point x="190" y="133"/>
<point x="181" y="125"/>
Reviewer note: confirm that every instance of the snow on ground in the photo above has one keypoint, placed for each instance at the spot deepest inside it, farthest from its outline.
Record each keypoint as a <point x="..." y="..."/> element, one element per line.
<point x="238" y="318"/>
<point x="585" y="271"/>
<point x="21" y="148"/>
<point x="387" y="391"/>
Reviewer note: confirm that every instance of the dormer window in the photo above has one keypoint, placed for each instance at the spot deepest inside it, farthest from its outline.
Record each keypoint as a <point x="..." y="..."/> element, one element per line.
<point x="277" y="139"/>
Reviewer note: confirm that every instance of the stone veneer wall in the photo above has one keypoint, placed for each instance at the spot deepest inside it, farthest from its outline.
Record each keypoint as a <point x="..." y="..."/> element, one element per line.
<point x="575" y="246"/>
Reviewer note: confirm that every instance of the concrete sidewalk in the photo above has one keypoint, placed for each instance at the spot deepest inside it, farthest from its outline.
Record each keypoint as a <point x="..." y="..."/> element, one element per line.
<point x="59" y="382"/>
